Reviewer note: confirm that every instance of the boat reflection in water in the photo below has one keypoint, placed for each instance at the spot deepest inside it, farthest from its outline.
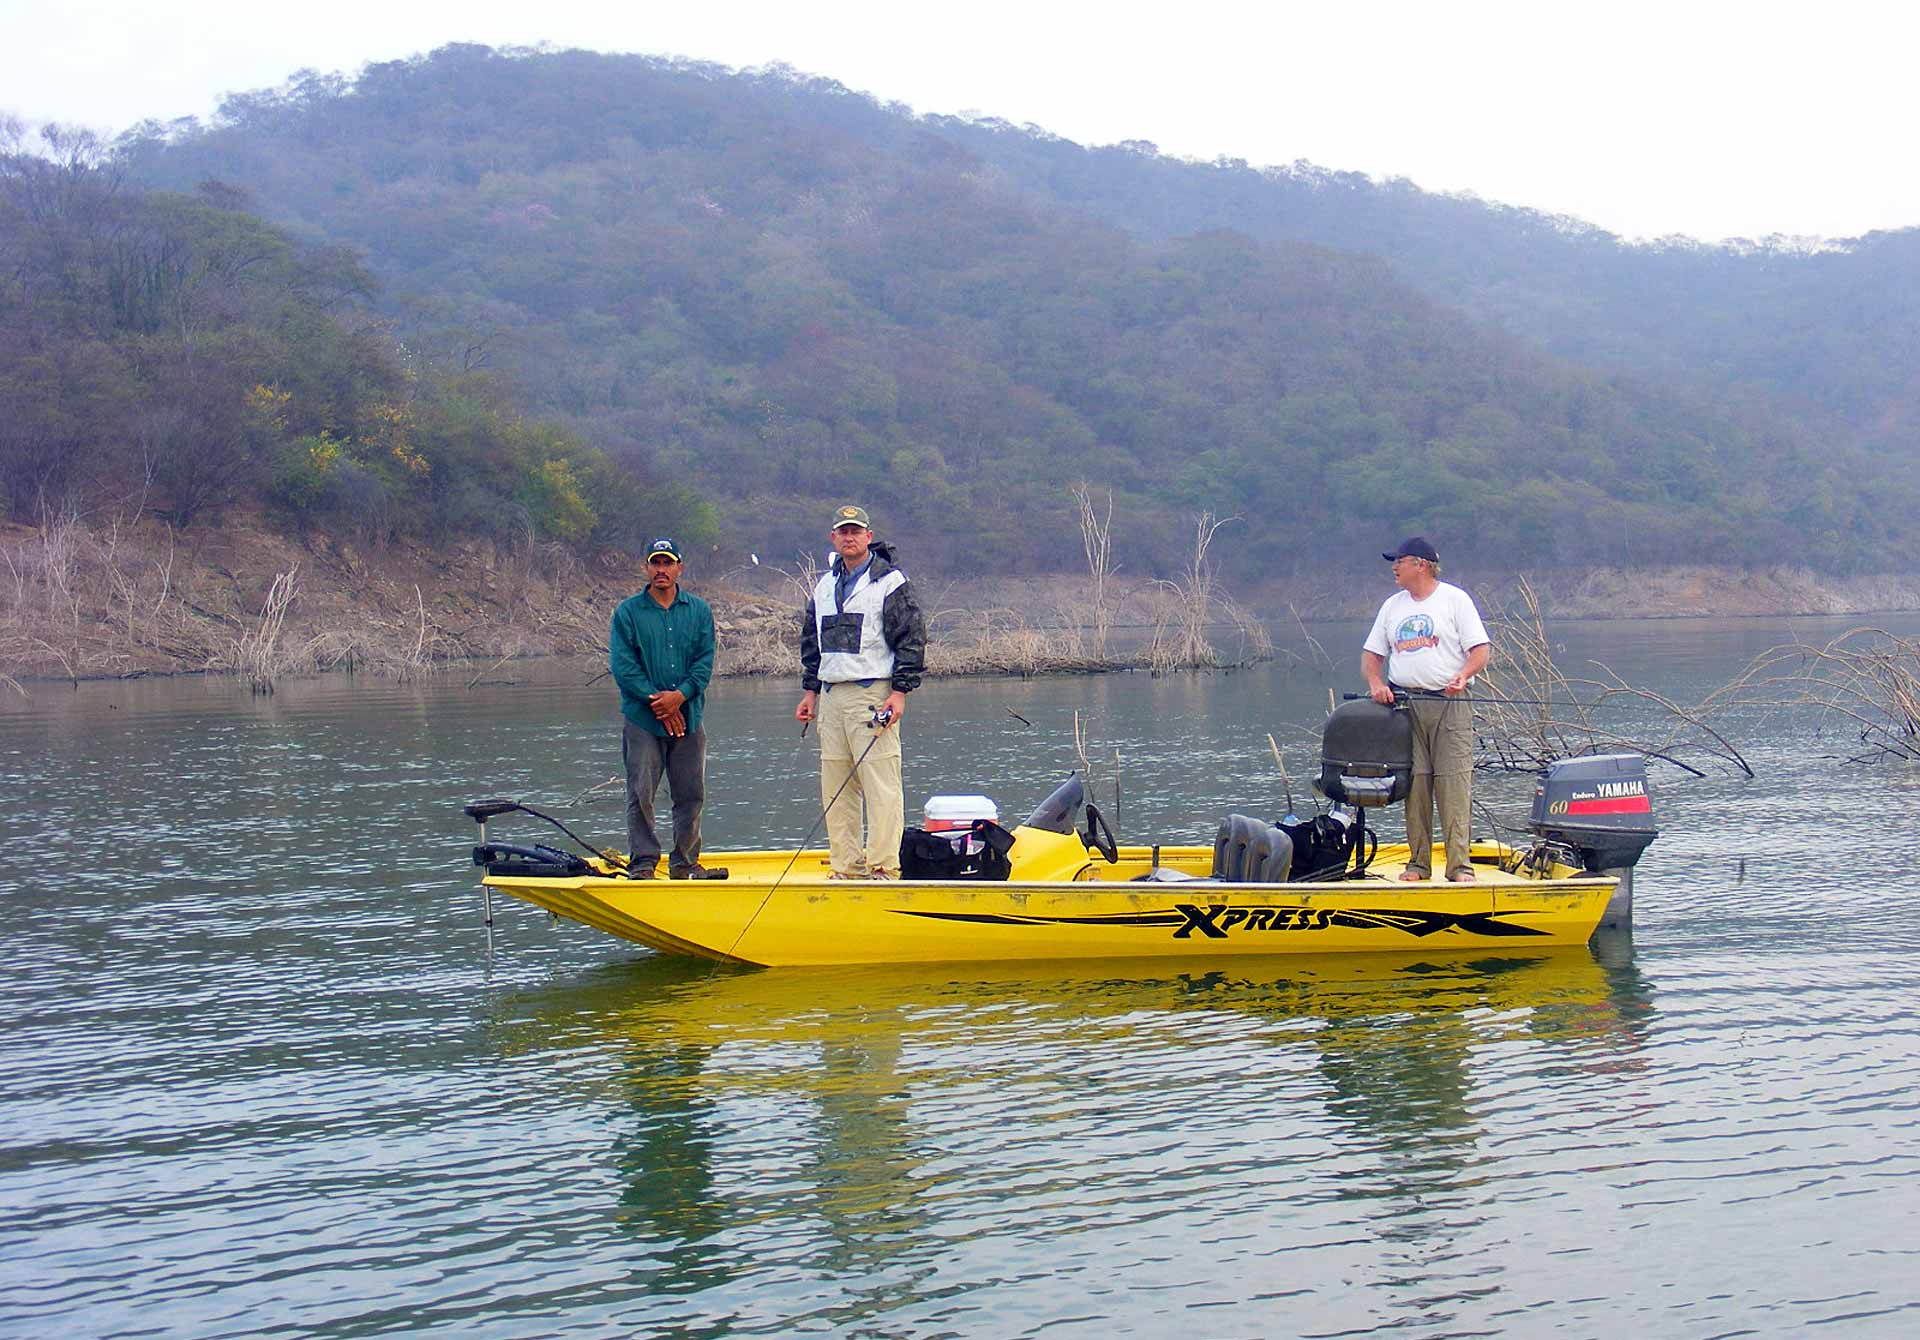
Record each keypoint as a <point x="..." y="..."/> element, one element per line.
<point x="885" y="1111"/>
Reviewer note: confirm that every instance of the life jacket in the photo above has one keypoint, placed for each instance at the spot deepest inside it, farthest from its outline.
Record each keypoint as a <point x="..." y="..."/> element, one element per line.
<point x="852" y="637"/>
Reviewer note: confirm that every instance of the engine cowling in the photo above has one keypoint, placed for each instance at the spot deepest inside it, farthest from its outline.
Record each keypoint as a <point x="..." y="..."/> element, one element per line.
<point x="1599" y="806"/>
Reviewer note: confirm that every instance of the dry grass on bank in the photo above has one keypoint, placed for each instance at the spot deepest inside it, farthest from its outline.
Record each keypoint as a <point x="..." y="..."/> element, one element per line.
<point x="89" y="599"/>
<point x="82" y="598"/>
<point x="99" y="597"/>
<point x="1043" y="635"/>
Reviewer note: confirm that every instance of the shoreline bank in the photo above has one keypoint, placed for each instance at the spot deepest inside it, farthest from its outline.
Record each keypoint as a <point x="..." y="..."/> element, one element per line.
<point x="84" y="602"/>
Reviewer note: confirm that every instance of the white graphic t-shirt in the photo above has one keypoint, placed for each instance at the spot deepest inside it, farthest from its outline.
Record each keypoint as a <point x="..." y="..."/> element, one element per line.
<point x="1426" y="641"/>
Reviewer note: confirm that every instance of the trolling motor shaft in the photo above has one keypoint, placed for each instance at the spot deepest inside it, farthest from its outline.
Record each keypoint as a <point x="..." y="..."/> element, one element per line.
<point x="480" y="811"/>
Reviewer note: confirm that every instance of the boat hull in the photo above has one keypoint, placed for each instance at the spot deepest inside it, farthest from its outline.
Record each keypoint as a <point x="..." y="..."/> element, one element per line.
<point x="778" y="909"/>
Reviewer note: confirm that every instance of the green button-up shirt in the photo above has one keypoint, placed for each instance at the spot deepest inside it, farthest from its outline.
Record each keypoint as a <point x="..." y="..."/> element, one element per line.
<point x="652" y="650"/>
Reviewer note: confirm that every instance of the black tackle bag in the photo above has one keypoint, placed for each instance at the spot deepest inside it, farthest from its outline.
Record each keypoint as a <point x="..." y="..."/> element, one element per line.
<point x="925" y="855"/>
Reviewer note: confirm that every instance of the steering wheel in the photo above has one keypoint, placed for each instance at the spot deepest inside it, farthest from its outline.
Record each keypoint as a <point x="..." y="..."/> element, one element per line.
<point x="1099" y="835"/>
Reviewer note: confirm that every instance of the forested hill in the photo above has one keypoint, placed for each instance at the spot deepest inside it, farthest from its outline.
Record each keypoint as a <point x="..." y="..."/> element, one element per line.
<point x="784" y="294"/>
<point x="1827" y="328"/>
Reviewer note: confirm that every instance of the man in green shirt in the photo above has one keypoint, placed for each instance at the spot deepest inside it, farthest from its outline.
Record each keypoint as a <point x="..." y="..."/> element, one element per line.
<point x="661" y="656"/>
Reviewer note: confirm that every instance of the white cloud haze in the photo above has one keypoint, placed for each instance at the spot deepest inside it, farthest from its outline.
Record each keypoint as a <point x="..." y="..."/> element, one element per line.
<point x="1713" y="120"/>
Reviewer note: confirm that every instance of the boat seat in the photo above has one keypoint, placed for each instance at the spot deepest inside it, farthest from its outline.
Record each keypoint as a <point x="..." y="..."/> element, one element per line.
<point x="1251" y="851"/>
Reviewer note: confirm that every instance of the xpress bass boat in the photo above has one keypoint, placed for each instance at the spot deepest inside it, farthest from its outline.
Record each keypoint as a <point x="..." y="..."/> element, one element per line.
<point x="1058" y="886"/>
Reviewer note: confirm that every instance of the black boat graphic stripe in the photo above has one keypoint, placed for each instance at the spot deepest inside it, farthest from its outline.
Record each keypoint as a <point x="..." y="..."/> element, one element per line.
<point x="1220" y="921"/>
<point x="1000" y="919"/>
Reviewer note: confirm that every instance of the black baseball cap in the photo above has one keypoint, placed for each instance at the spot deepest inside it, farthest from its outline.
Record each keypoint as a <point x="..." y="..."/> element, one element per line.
<point x="1415" y="546"/>
<point x="663" y="545"/>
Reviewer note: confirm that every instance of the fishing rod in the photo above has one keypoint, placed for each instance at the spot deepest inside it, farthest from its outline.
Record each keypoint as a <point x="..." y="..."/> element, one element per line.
<point x="1285" y="781"/>
<point x="1403" y="696"/>
<point x="879" y="722"/>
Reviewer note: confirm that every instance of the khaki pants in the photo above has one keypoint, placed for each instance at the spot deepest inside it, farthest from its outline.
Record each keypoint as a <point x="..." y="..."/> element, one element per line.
<point x="844" y="710"/>
<point x="1442" y="771"/>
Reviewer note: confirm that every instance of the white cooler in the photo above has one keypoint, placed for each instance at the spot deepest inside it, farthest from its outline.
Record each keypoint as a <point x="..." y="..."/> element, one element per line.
<point x="954" y="816"/>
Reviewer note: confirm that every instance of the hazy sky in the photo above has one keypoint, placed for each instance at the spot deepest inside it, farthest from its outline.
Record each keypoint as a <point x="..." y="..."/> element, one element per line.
<point x="1710" y="119"/>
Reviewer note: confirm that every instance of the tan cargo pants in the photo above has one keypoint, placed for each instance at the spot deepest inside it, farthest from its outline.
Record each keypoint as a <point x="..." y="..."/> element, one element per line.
<point x="1442" y="771"/>
<point x="844" y="711"/>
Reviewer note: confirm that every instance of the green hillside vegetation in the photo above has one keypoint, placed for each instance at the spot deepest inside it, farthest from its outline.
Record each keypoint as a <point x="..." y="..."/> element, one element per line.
<point x="779" y="294"/>
<point x="175" y="353"/>
<point x="1833" y="329"/>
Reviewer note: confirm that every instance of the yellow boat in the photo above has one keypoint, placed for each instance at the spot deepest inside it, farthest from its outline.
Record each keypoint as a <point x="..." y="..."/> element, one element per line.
<point x="1060" y="887"/>
<point x="1060" y="904"/>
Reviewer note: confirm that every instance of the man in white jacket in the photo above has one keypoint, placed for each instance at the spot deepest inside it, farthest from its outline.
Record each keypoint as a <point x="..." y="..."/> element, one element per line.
<point x="1427" y="643"/>
<point x="863" y="647"/>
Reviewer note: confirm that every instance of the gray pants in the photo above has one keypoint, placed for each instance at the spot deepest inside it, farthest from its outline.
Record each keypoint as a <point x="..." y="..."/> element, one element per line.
<point x="1442" y="772"/>
<point x="683" y="762"/>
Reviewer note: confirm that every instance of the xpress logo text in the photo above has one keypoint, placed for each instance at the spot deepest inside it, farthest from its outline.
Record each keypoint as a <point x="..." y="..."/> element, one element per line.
<point x="1223" y="921"/>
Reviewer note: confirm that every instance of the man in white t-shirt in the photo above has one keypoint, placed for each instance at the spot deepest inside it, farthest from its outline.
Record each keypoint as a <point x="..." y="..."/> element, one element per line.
<point x="1428" y="643"/>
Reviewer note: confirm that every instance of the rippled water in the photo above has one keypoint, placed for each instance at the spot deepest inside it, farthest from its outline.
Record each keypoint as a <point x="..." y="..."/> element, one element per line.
<point x="259" y="1078"/>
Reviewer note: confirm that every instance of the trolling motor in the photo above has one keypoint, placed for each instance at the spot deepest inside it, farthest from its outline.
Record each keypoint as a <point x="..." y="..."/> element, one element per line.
<point x="539" y="861"/>
<point x="499" y="858"/>
<point x="1599" y="808"/>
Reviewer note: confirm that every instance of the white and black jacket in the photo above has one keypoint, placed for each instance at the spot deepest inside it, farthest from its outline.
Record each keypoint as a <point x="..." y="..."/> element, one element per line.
<point x="877" y="634"/>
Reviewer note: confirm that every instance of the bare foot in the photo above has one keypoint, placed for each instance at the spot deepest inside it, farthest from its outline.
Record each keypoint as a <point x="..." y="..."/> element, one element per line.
<point x="1462" y="877"/>
<point x="1412" y="876"/>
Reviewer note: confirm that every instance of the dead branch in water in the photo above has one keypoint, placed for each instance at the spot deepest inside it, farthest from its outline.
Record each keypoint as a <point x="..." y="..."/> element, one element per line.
<point x="1187" y="648"/>
<point x="1867" y="679"/>
<point x="1318" y="654"/>
<point x="489" y="670"/>
<point x="257" y="652"/>
<point x="1096" y="539"/>
<point x="1529" y="712"/>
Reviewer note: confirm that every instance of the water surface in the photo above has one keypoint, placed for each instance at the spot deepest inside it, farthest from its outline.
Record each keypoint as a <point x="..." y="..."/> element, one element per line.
<point x="260" y="1078"/>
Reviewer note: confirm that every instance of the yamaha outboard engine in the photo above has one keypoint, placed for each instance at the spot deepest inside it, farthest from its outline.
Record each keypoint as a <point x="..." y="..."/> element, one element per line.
<point x="1599" y="806"/>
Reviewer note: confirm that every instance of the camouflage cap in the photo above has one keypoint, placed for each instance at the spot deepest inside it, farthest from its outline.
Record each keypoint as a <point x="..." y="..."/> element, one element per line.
<point x="850" y="516"/>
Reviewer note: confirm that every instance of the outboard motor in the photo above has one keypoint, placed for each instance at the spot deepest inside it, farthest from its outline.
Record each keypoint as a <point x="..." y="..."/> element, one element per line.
<point x="1366" y="761"/>
<point x="1599" y="806"/>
